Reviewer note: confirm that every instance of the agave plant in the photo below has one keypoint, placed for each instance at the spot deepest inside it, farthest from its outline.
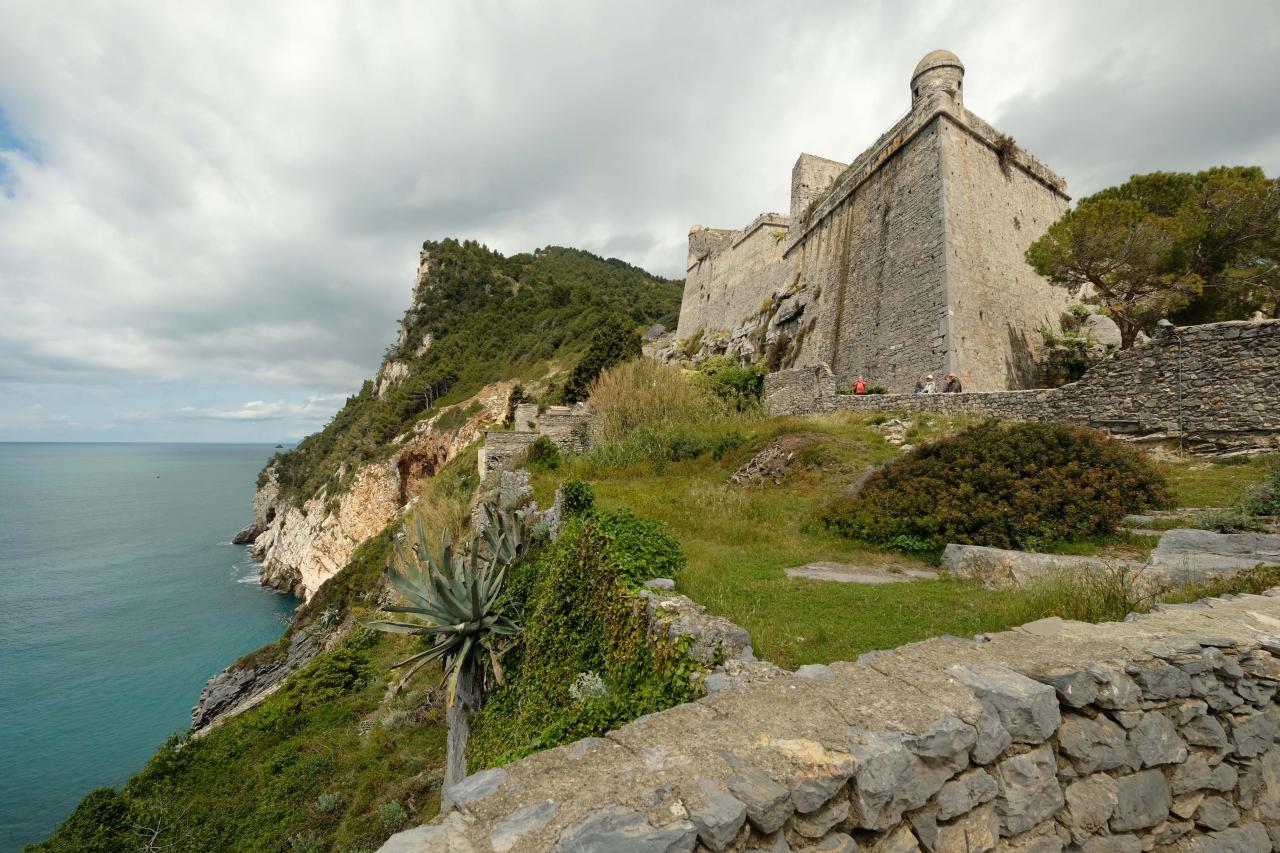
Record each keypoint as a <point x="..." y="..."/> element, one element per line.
<point x="456" y="594"/>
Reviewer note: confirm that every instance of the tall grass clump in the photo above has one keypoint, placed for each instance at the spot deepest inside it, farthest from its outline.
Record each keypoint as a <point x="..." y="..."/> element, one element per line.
<point x="645" y="411"/>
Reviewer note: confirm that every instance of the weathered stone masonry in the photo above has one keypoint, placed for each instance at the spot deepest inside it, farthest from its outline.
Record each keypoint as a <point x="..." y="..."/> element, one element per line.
<point x="1216" y="385"/>
<point x="1154" y="733"/>
<point x="909" y="260"/>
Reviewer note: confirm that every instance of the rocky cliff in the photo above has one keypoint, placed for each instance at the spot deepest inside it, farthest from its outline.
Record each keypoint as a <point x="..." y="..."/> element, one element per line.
<point x="303" y="546"/>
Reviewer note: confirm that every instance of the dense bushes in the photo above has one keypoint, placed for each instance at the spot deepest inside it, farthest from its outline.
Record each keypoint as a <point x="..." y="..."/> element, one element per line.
<point x="1008" y="486"/>
<point x="584" y="663"/>
<point x="1264" y="498"/>
<point x="739" y="386"/>
<point x="613" y="343"/>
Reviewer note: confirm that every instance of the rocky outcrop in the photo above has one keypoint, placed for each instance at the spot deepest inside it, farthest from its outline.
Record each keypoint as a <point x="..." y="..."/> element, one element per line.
<point x="1161" y="732"/>
<point x="303" y="546"/>
<point x="236" y="689"/>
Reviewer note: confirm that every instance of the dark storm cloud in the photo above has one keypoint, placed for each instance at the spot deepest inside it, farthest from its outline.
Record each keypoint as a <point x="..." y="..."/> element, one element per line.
<point x="235" y="194"/>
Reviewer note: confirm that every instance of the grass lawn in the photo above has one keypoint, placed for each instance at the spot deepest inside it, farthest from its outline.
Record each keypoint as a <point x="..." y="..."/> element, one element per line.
<point x="1199" y="482"/>
<point x="740" y="539"/>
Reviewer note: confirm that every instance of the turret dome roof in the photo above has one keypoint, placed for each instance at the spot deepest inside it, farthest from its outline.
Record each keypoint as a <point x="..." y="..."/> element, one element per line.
<point x="935" y="59"/>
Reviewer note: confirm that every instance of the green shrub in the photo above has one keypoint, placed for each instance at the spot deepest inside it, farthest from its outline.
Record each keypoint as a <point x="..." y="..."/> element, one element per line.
<point x="640" y="549"/>
<point x="739" y="386"/>
<point x="1264" y="498"/>
<point x="613" y="343"/>
<point x="392" y="816"/>
<point x="543" y="455"/>
<point x="1228" y="520"/>
<point x="328" y="803"/>
<point x="1021" y="485"/>
<point x="579" y="497"/>
<point x="579" y="617"/>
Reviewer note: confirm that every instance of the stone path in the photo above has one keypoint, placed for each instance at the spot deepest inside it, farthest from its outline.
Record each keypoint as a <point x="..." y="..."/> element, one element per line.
<point x="850" y="573"/>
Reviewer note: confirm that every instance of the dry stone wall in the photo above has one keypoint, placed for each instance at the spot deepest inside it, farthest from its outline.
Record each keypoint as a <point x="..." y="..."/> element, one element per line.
<point x="1157" y="733"/>
<point x="1216" y="386"/>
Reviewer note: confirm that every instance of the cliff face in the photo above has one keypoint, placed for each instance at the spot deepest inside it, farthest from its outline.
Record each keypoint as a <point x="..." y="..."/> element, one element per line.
<point x="303" y="546"/>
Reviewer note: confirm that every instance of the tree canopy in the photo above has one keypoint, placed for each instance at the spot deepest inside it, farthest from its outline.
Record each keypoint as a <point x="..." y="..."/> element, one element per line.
<point x="1195" y="248"/>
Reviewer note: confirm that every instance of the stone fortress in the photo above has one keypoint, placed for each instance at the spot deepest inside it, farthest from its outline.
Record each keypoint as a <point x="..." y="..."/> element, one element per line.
<point x="905" y="262"/>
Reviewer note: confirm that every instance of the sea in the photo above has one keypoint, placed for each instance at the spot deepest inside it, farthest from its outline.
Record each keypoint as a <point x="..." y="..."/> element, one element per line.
<point x="120" y="595"/>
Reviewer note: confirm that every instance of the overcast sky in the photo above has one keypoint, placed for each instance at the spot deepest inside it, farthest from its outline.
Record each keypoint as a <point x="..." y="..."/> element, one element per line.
<point x="210" y="213"/>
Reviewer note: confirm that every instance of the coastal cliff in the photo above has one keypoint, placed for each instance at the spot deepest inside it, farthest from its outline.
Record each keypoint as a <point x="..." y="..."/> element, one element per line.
<point x="303" y="546"/>
<point x="479" y="324"/>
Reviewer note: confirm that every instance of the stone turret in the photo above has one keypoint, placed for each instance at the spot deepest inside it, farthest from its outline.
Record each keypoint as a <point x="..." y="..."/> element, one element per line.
<point x="940" y="75"/>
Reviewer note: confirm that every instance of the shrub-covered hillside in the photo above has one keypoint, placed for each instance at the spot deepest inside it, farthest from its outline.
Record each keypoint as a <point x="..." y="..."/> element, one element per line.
<point x="489" y="317"/>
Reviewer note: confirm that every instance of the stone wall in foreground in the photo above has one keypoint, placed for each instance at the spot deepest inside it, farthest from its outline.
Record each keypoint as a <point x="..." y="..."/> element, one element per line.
<point x="1155" y="733"/>
<point x="1216" y="385"/>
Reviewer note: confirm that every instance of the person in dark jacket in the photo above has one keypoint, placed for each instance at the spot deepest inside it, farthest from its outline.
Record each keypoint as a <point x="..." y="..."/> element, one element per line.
<point x="952" y="385"/>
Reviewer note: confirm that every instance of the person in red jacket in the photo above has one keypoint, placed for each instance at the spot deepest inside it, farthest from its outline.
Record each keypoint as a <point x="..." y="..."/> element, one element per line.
<point x="860" y="387"/>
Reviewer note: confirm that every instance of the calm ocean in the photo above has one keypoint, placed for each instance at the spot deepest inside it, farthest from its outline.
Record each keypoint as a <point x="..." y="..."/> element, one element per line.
<point x="120" y="593"/>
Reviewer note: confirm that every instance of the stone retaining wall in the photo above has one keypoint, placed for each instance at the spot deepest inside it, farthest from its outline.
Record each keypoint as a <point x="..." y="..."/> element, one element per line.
<point x="1155" y="733"/>
<point x="1216" y="385"/>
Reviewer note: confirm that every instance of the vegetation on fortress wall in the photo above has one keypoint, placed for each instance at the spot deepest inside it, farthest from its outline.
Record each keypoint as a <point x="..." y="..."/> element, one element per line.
<point x="584" y="664"/>
<point x="1022" y="485"/>
<point x="490" y="317"/>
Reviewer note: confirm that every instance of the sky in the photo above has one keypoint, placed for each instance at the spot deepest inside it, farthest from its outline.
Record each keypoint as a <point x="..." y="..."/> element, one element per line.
<point x="210" y="214"/>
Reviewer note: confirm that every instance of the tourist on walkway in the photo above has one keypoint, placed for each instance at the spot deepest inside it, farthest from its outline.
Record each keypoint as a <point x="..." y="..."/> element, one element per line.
<point x="952" y="385"/>
<point x="919" y="389"/>
<point x="929" y="386"/>
<point x="860" y="387"/>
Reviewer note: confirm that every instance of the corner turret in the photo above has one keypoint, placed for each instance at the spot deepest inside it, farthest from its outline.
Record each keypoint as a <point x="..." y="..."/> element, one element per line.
<point x="940" y="75"/>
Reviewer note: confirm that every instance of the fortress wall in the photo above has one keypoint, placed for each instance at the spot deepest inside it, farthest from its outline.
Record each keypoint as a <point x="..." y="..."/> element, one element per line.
<point x="873" y="271"/>
<point x="729" y="285"/>
<point x="1159" y="732"/>
<point x="1230" y="385"/>
<point x="811" y="177"/>
<point x="997" y="301"/>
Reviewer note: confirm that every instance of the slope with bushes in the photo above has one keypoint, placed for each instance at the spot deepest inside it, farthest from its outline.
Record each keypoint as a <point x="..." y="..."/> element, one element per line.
<point x="486" y="317"/>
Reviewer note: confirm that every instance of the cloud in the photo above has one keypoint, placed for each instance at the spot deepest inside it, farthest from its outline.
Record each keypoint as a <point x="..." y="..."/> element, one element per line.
<point x="196" y="198"/>
<point x="314" y="407"/>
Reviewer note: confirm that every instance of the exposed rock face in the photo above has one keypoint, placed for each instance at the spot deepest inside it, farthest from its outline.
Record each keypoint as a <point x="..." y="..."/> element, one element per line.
<point x="233" y="690"/>
<point x="303" y="546"/>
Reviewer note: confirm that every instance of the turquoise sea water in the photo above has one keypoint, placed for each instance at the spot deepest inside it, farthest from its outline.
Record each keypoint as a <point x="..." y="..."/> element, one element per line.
<point x="120" y="594"/>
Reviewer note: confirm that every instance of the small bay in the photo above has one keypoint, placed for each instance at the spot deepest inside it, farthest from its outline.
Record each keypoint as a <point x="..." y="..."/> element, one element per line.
<point x="120" y="594"/>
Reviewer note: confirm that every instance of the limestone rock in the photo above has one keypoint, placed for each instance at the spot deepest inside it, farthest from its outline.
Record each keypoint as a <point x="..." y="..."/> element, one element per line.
<point x="1184" y="554"/>
<point x="998" y="568"/>
<point x="1216" y="813"/>
<point x="1029" y="791"/>
<point x="889" y="779"/>
<point x="1250" y="838"/>
<point x="1094" y="744"/>
<point x="767" y="803"/>
<point x="1155" y="741"/>
<point x="1027" y="709"/>
<point x="620" y="830"/>
<point x="719" y="820"/>
<point x="508" y="832"/>
<point x="976" y="832"/>
<point x="899" y="841"/>
<point x="1090" y="803"/>
<point x="1204" y="730"/>
<point x="1142" y="800"/>
<point x="477" y="786"/>
<point x="966" y="792"/>
<point x="819" y="823"/>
